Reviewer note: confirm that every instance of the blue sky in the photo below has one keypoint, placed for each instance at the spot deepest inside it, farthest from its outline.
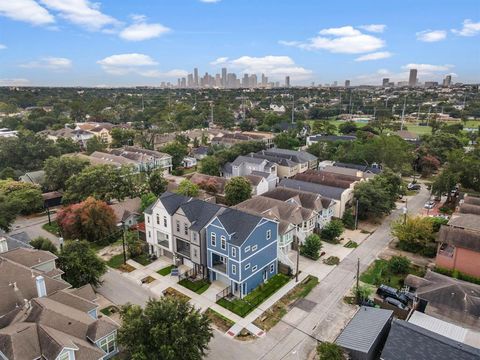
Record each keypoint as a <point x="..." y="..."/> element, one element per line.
<point x="144" y="42"/>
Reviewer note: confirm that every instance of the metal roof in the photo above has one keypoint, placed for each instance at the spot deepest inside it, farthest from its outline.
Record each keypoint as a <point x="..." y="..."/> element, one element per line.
<point x="438" y="326"/>
<point x="363" y="330"/>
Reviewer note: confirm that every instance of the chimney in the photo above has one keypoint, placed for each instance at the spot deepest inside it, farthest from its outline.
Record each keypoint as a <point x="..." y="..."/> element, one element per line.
<point x="41" y="288"/>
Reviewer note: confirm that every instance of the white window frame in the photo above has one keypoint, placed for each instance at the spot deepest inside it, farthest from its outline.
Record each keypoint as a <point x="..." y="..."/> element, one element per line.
<point x="269" y="234"/>
<point x="254" y="268"/>
<point x="234" y="252"/>
<point x="234" y="269"/>
<point x="165" y="221"/>
<point x="106" y="341"/>
<point x="247" y="249"/>
<point x="247" y="266"/>
<point x="223" y="242"/>
<point x="254" y="248"/>
<point x="213" y="239"/>
<point x="272" y="268"/>
<point x="158" y="219"/>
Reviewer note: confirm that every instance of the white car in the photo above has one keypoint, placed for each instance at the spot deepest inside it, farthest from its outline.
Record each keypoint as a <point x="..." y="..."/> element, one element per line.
<point x="429" y="205"/>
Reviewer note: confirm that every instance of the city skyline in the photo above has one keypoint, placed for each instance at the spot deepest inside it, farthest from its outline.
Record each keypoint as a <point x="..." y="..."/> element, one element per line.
<point x="81" y="43"/>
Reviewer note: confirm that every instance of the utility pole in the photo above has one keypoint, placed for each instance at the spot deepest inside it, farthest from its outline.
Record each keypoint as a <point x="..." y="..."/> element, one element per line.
<point x="357" y="292"/>
<point x="298" y="260"/>
<point x="403" y="113"/>
<point x="405" y="210"/>
<point x="123" y="243"/>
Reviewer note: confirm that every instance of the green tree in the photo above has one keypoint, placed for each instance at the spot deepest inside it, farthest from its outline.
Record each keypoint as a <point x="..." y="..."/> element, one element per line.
<point x="399" y="265"/>
<point x="415" y="235"/>
<point x="157" y="183"/>
<point x="7" y="173"/>
<point x="311" y="247"/>
<point x="26" y="198"/>
<point x="9" y="210"/>
<point x="59" y="169"/>
<point x="67" y="146"/>
<point x="324" y="127"/>
<point x="348" y="127"/>
<point x="364" y="292"/>
<point x="177" y="150"/>
<point x="237" y="189"/>
<point x="348" y="219"/>
<point x="103" y="182"/>
<point x="382" y="121"/>
<point x="329" y="351"/>
<point x="332" y="230"/>
<point x="134" y="244"/>
<point x="95" y="144"/>
<point x="286" y="141"/>
<point x="187" y="188"/>
<point x="374" y="199"/>
<point x="166" y="329"/>
<point x="147" y="200"/>
<point x="80" y="264"/>
<point x="210" y="166"/>
<point x="121" y="137"/>
<point x="42" y="243"/>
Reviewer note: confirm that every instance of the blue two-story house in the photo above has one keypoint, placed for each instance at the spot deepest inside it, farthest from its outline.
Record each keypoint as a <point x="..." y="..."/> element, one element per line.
<point x="241" y="250"/>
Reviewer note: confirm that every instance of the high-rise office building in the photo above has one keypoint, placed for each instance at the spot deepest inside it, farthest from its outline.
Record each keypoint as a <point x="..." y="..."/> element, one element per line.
<point x="412" y="80"/>
<point x="224" y="77"/>
<point x="195" y="77"/>
<point x="385" y="82"/>
<point x="347" y="83"/>
<point x="447" y="81"/>
<point x="264" y="80"/>
<point x="190" y="80"/>
<point x="245" y="81"/>
<point x="252" y="82"/>
<point x="287" y="81"/>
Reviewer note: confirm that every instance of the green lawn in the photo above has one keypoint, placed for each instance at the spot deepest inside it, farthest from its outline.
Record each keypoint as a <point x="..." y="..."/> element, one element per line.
<point x="242" y="307"/>
<point x="142" y="259"/>
<point x="378" y="273"/>
<point x="198" y="286"/>
<point x="52" y="228"/>
<point x="116" y="261"/>
<point x="165" y="271"/>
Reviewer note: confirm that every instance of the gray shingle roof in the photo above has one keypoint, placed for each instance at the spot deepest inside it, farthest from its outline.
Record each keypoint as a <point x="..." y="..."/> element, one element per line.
<point x="324" y="190"/>
<point x="172" y="201"/>
<point x="407" y="341"/>
<point x="199" y="213"/>
<point x="301" y="155"/>
<point x="238" y="223"/>
<point x="363" y="330"/>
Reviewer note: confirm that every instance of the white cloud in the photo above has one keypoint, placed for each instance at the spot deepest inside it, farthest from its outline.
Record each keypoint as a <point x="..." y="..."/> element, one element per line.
<point x="53" y="63"/>
<point x="274" y="66"/>
<point x="136" y="64"/>
<point x="141" y="30"/>
<point x="428" y="67"/>
<point x="345" y="39"/>
<point x="469" y="28"/>
<point x="376" y="28"/>
<point x="374" y="56"/>
<point x="14" y="82"/>
<point x="2" y="46"/>
<point x="431" y="35"/>
<point x="219" y="61"/>
<point x="26" y="10"/>
<point x="81" y="12"/>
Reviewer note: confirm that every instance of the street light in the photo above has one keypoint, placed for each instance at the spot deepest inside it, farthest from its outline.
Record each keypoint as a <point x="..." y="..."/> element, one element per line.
<point x="405" y="210"/>
<point x="61" y="241"/>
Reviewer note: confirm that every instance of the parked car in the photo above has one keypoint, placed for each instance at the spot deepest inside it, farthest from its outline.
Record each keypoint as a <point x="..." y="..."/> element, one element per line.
<point x="413" y="186"/>
<point x="395" y="302"/>
<point x="429" y="205"/>
<point x="387" y="291"/>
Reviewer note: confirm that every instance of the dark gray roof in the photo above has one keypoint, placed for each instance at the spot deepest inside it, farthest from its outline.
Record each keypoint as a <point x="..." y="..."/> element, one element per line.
<point x="364" y="168"/>
<point x="238" y="223"/>
<point x="301" y="155"/>
<point x="407" y="341"/>
<point x="248" y="159"/>
<point x="324" y="190"/>
<point x="20" y="240"/>
<point x="149" y="209"/>
<point x="172" y="201"/>
<point x="363" y="330"/>
<point x="227" y="168"/>
<point x="199" y="213"/>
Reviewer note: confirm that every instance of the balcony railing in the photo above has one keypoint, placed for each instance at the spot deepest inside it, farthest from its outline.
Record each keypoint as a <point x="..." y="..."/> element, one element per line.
<point x="224" y="293"/>
<point x="164" y="243"/>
